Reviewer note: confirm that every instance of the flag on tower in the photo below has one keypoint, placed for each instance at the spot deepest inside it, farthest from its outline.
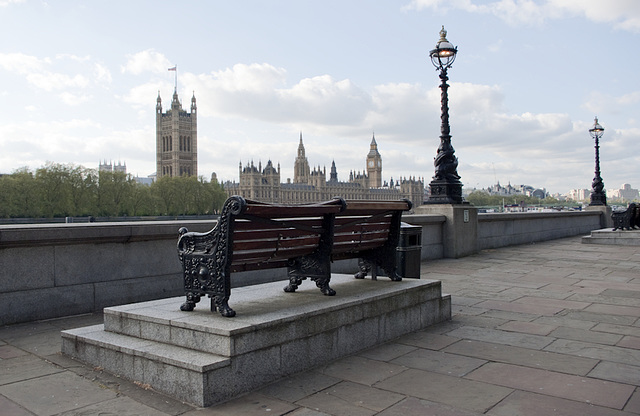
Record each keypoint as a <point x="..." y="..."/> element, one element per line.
<point x="175" y="68"/>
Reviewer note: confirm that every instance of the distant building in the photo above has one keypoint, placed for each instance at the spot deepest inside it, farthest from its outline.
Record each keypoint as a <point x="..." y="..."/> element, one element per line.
<point x="145" y="181"/>
<point x="579" y="194"/>
<point x="626" y="193"/>
<point x="176" y="139"/>
<point x="309" y="185"/>
<point x="112" y="167"/>
<point x="510" y="190"/>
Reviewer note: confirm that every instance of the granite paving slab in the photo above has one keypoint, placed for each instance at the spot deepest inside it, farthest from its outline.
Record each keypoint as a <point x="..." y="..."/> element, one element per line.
<point x="351" y="395"/>
<point x="623" y="373"/>
<point x="412" y="406"/>
<point x="25" y="367"/>
<point x="527" y="328"/>
<point x="55" y="393"/>
<point x="523" y="356"/>
<point x="252" y="404"/>
<point x="427" y="339"/>
<point x="522" y="403"/>
<point x="594" y="391"/>
<point x="119" y="406"/>
<point x="299" y="386"/>
<point x="597" y="351"/>
<point x="630" y="342"/>
<point x="501" y="337"/>
<point x="439" y="362"/>
<point x="440" y="388"/>
<point x="10" y="408"/>
<point x="520" y="307"/>
<point x="361" y="370"/>
<point x="633" y="405"/>
<point x="586" y="336"/>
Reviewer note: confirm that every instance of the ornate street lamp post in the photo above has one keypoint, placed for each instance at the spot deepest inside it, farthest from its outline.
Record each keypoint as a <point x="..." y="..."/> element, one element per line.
<point x="598" y="196"/>
<point x="446" y="187"/>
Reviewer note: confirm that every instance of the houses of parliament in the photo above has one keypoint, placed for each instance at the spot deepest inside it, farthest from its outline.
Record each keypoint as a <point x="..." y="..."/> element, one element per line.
<point x="263" y="184"/>
<point x="177" y="155"/>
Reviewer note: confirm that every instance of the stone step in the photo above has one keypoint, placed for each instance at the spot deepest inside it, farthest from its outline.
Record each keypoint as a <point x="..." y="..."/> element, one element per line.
<point x="167" y="368"/>
<point x="203" y="358"/>
<point x="287" y="316"/>
<point x="610" y="237"/>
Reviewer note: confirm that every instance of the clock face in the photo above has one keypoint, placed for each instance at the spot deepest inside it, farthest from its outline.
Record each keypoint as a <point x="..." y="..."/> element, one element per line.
<point x="371" y="163"/>
<point x="379" y="163"/>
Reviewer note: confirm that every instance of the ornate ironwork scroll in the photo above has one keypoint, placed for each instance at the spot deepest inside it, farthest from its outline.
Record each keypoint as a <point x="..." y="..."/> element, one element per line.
<point x="206" y="260"/>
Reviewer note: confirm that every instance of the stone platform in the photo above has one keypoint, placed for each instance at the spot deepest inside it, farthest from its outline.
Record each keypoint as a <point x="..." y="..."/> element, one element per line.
<point x="202" y="358"/>
<point x="610" y="237"/>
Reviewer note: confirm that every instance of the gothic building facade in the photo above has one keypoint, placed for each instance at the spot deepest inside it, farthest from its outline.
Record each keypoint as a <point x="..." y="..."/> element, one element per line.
<point x="176" y="139"/>
<point x="112" y="167"/>
<point x="311" y="185"/>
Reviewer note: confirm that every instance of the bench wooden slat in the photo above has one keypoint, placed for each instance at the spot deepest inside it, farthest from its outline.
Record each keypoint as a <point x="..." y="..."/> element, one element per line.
<point x="353" y="226"/>
<point x="368" y="207"/>
<point x="283" y="211"/>
<point x="354" y="238"/>
<point x="352" y="251"/>
<point x="257" y="256"/>
<point x="245" y="224"/>
<point x="273" y="233"/>
<point x="274" y="244"/>
<point x="244" y="267"/>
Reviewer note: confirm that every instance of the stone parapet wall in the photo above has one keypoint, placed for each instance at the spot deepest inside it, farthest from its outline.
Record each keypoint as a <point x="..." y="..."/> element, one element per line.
<point x="53" y="270"/>
<point x="500" y="230"/>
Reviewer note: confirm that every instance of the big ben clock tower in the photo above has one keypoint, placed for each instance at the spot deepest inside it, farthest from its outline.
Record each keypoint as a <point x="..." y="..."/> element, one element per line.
<point x="374" y="165"/>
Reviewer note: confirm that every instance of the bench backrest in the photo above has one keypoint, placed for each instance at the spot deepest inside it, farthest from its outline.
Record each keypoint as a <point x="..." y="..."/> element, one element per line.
<point x="267" y="235"/>
<point x="253" y="235"/>
<point x="367" y="225"/>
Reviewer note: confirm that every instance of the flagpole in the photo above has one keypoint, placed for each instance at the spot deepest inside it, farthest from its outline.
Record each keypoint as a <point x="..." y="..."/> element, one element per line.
<point x="175" y="69"/>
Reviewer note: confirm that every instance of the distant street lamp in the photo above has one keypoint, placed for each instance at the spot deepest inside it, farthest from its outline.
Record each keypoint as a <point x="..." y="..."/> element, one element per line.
<point x="598" y="196"/>
<point x="446" y="187"/>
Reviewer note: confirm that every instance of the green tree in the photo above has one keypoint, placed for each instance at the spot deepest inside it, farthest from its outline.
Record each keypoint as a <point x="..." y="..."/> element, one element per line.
<point x="113" y="190"/>
<point x="164" y="192"/>
<point x="54" y="189"/>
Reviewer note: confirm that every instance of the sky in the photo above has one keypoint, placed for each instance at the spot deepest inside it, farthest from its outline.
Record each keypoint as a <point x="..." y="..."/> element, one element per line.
<point x="80" y="81"/>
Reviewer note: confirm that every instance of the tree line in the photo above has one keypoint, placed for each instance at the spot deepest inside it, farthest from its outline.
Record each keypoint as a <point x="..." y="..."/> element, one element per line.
<point x="67" y="190"/>
<point x="484" y="199"/>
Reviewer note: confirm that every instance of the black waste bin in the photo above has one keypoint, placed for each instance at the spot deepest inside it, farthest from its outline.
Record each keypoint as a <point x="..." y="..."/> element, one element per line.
<point x="408" y="251"/>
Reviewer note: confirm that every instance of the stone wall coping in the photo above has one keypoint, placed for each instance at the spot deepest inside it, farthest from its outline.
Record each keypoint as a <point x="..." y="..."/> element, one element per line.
<point x="95" y="233"/>
<point x="423" y="219"/>
<point x="510" y="216"/>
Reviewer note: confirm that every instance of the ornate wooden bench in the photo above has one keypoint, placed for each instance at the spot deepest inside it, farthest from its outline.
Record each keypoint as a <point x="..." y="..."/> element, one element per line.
<point x="626" y="219"/>
<point x="252" y="235"/>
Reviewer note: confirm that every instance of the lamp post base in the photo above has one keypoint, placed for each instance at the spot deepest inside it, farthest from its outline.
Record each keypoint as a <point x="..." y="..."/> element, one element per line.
<point x="598" y="198"/>
<point x="443" y="192"/>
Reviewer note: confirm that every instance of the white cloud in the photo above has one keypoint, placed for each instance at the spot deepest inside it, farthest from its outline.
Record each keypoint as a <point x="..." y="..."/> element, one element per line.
<point x="258" y="91"/>
<point x="599" y="103"/>
<point x="254" y="78"/>
<point x="622" y="14"/>
<point x="139" y="96"/>
<point x="73" y="99"/>
<point x="5" y="3"/>
<point x="101" y="73"/>
<point x="50" y="81"/>
<point x="68" y="73"/>
<point x="22" y="64"/>
<point x="146" y="61"/>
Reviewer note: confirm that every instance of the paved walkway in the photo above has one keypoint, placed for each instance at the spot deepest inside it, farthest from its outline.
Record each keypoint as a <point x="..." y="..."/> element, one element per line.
<point x="545" y="329"/>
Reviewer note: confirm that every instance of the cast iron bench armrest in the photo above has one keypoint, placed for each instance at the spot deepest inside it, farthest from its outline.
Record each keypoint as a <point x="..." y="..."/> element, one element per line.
<point x="627" y="219"/>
